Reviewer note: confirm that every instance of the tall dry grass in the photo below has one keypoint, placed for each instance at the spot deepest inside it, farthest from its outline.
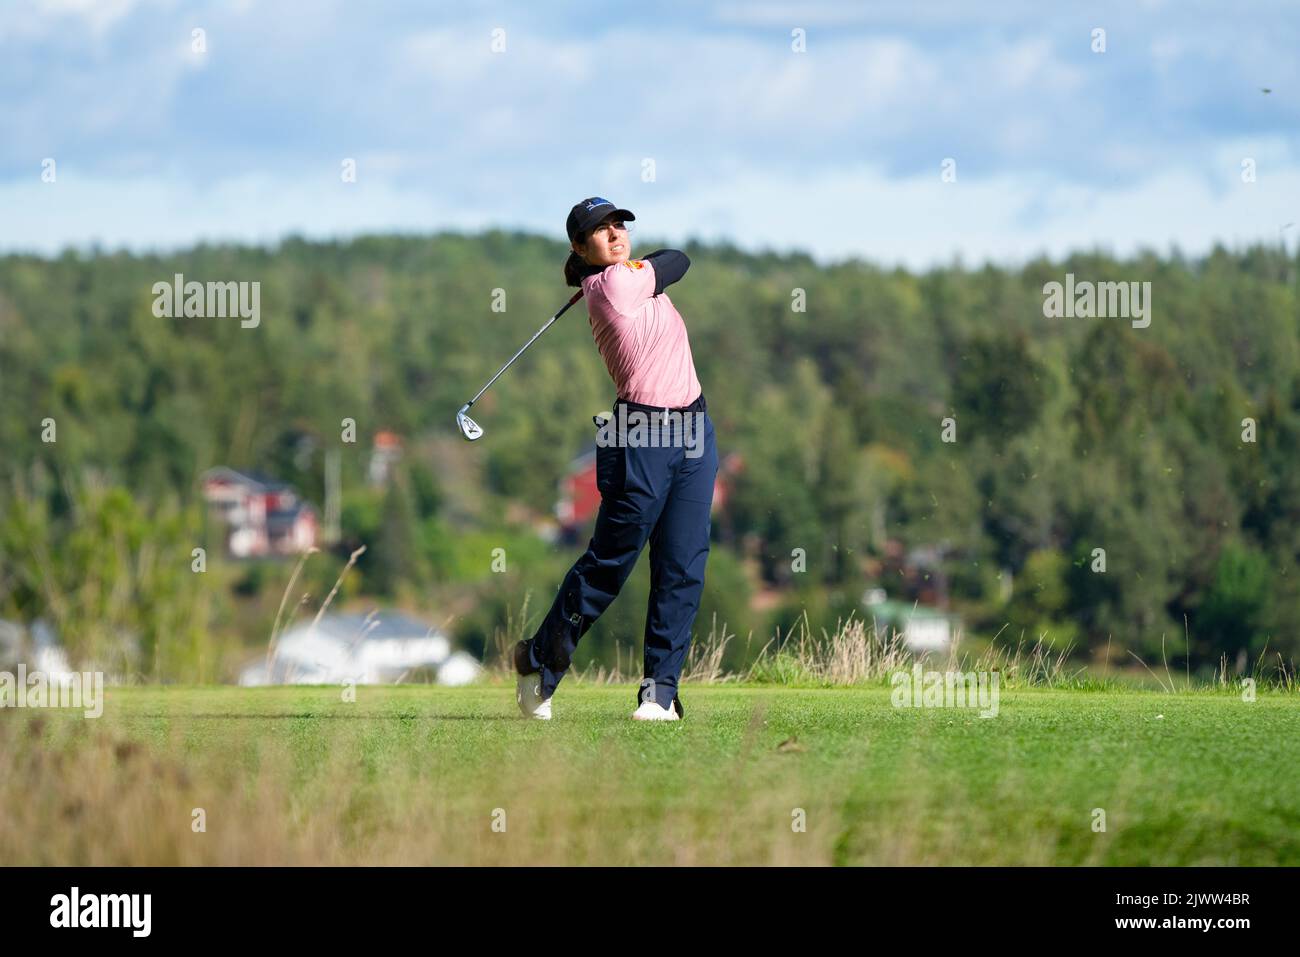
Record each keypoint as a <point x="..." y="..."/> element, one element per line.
<point x="91" y="794"/>
<point x="855" y="653"/>
<point x="861" y="653"/>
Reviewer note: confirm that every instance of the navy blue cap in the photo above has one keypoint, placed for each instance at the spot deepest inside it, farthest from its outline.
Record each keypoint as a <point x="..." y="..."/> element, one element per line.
<point x="590" y="212"/>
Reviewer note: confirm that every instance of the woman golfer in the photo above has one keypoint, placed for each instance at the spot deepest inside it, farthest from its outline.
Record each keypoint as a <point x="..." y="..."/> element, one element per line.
<point x="655" y="482"/>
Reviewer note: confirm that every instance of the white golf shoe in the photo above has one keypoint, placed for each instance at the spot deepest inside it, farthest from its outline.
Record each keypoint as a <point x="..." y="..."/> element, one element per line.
<point x="651" y="711"/>
<point x="528" y="695"/>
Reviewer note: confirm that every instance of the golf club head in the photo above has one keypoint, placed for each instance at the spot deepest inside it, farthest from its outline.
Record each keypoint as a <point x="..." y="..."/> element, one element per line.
<point x="468" y="427"/>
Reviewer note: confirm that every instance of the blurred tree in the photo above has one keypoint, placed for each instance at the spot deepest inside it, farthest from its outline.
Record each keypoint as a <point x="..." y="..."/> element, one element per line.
<point x="397" y="561"/>
<point x="1232" y="617"/>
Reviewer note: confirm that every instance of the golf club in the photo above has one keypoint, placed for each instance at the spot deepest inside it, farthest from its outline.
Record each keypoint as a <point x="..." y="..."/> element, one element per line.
<point x="470" y="429"/>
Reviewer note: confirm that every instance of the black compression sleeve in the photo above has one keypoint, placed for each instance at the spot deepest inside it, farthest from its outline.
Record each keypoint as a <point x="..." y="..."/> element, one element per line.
<point x="670" y="266"/>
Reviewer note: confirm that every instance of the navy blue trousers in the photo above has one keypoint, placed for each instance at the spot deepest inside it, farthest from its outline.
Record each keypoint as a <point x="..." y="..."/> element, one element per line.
<point x="663" y="495"/>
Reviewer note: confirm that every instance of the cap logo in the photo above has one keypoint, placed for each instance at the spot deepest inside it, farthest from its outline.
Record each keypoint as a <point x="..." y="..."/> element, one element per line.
<point x="598" y="202"/>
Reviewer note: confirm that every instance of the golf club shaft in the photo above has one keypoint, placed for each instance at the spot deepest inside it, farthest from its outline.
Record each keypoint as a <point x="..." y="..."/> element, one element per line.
<point x="576" y="296"/>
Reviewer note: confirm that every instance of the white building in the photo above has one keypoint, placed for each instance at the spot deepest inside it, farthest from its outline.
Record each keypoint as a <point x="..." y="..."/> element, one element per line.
<point x="38" y="649"/>
<point x="380" y="648"/>
<point x="921" y="628"/>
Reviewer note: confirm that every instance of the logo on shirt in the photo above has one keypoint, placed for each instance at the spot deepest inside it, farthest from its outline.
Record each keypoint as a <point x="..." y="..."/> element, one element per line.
<point x="634" y="264"/>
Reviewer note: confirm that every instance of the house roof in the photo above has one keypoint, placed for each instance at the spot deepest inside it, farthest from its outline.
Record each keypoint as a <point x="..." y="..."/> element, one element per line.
<point x="381" y="626"/>
<point x="259" y="481"/>
<point x="907" y="611"/>
<point x="287" y="516"/>
<point x="583" y="459"/>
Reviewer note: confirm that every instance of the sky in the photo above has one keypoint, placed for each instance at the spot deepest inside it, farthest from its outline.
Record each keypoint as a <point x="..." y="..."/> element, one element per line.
<point x="706" y="120"/>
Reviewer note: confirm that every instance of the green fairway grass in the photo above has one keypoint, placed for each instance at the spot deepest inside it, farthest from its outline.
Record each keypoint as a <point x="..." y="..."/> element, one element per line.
<point x="428" y="775"/>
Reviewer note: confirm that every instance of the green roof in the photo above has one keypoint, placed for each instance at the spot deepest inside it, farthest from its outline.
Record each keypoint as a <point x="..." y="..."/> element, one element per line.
<point x="906" y="611"/>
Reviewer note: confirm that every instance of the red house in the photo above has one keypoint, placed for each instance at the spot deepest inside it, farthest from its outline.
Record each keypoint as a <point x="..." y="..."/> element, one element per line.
<point x="579" y="499"/>
<point x="263" y="517"/>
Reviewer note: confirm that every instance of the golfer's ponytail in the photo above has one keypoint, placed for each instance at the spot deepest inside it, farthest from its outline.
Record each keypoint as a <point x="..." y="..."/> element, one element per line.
<point x="572" y="267"/>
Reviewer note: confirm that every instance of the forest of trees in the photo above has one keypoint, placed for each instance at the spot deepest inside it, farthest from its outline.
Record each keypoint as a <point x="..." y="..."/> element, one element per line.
<point x="1071" y="435"/>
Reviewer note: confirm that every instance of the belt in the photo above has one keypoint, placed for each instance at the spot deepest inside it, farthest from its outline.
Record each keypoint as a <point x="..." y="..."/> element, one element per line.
<point x="699" y="405"/>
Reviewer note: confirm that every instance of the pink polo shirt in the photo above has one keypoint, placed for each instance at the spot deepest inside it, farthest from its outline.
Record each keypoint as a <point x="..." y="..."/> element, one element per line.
<point x="641" y="336"/>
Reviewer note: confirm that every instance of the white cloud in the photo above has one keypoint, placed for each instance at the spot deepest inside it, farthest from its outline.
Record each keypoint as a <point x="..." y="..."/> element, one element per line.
<point x="783" y="148"/>
<point x="852" y="212"/>
<point x="98" y="15"/>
